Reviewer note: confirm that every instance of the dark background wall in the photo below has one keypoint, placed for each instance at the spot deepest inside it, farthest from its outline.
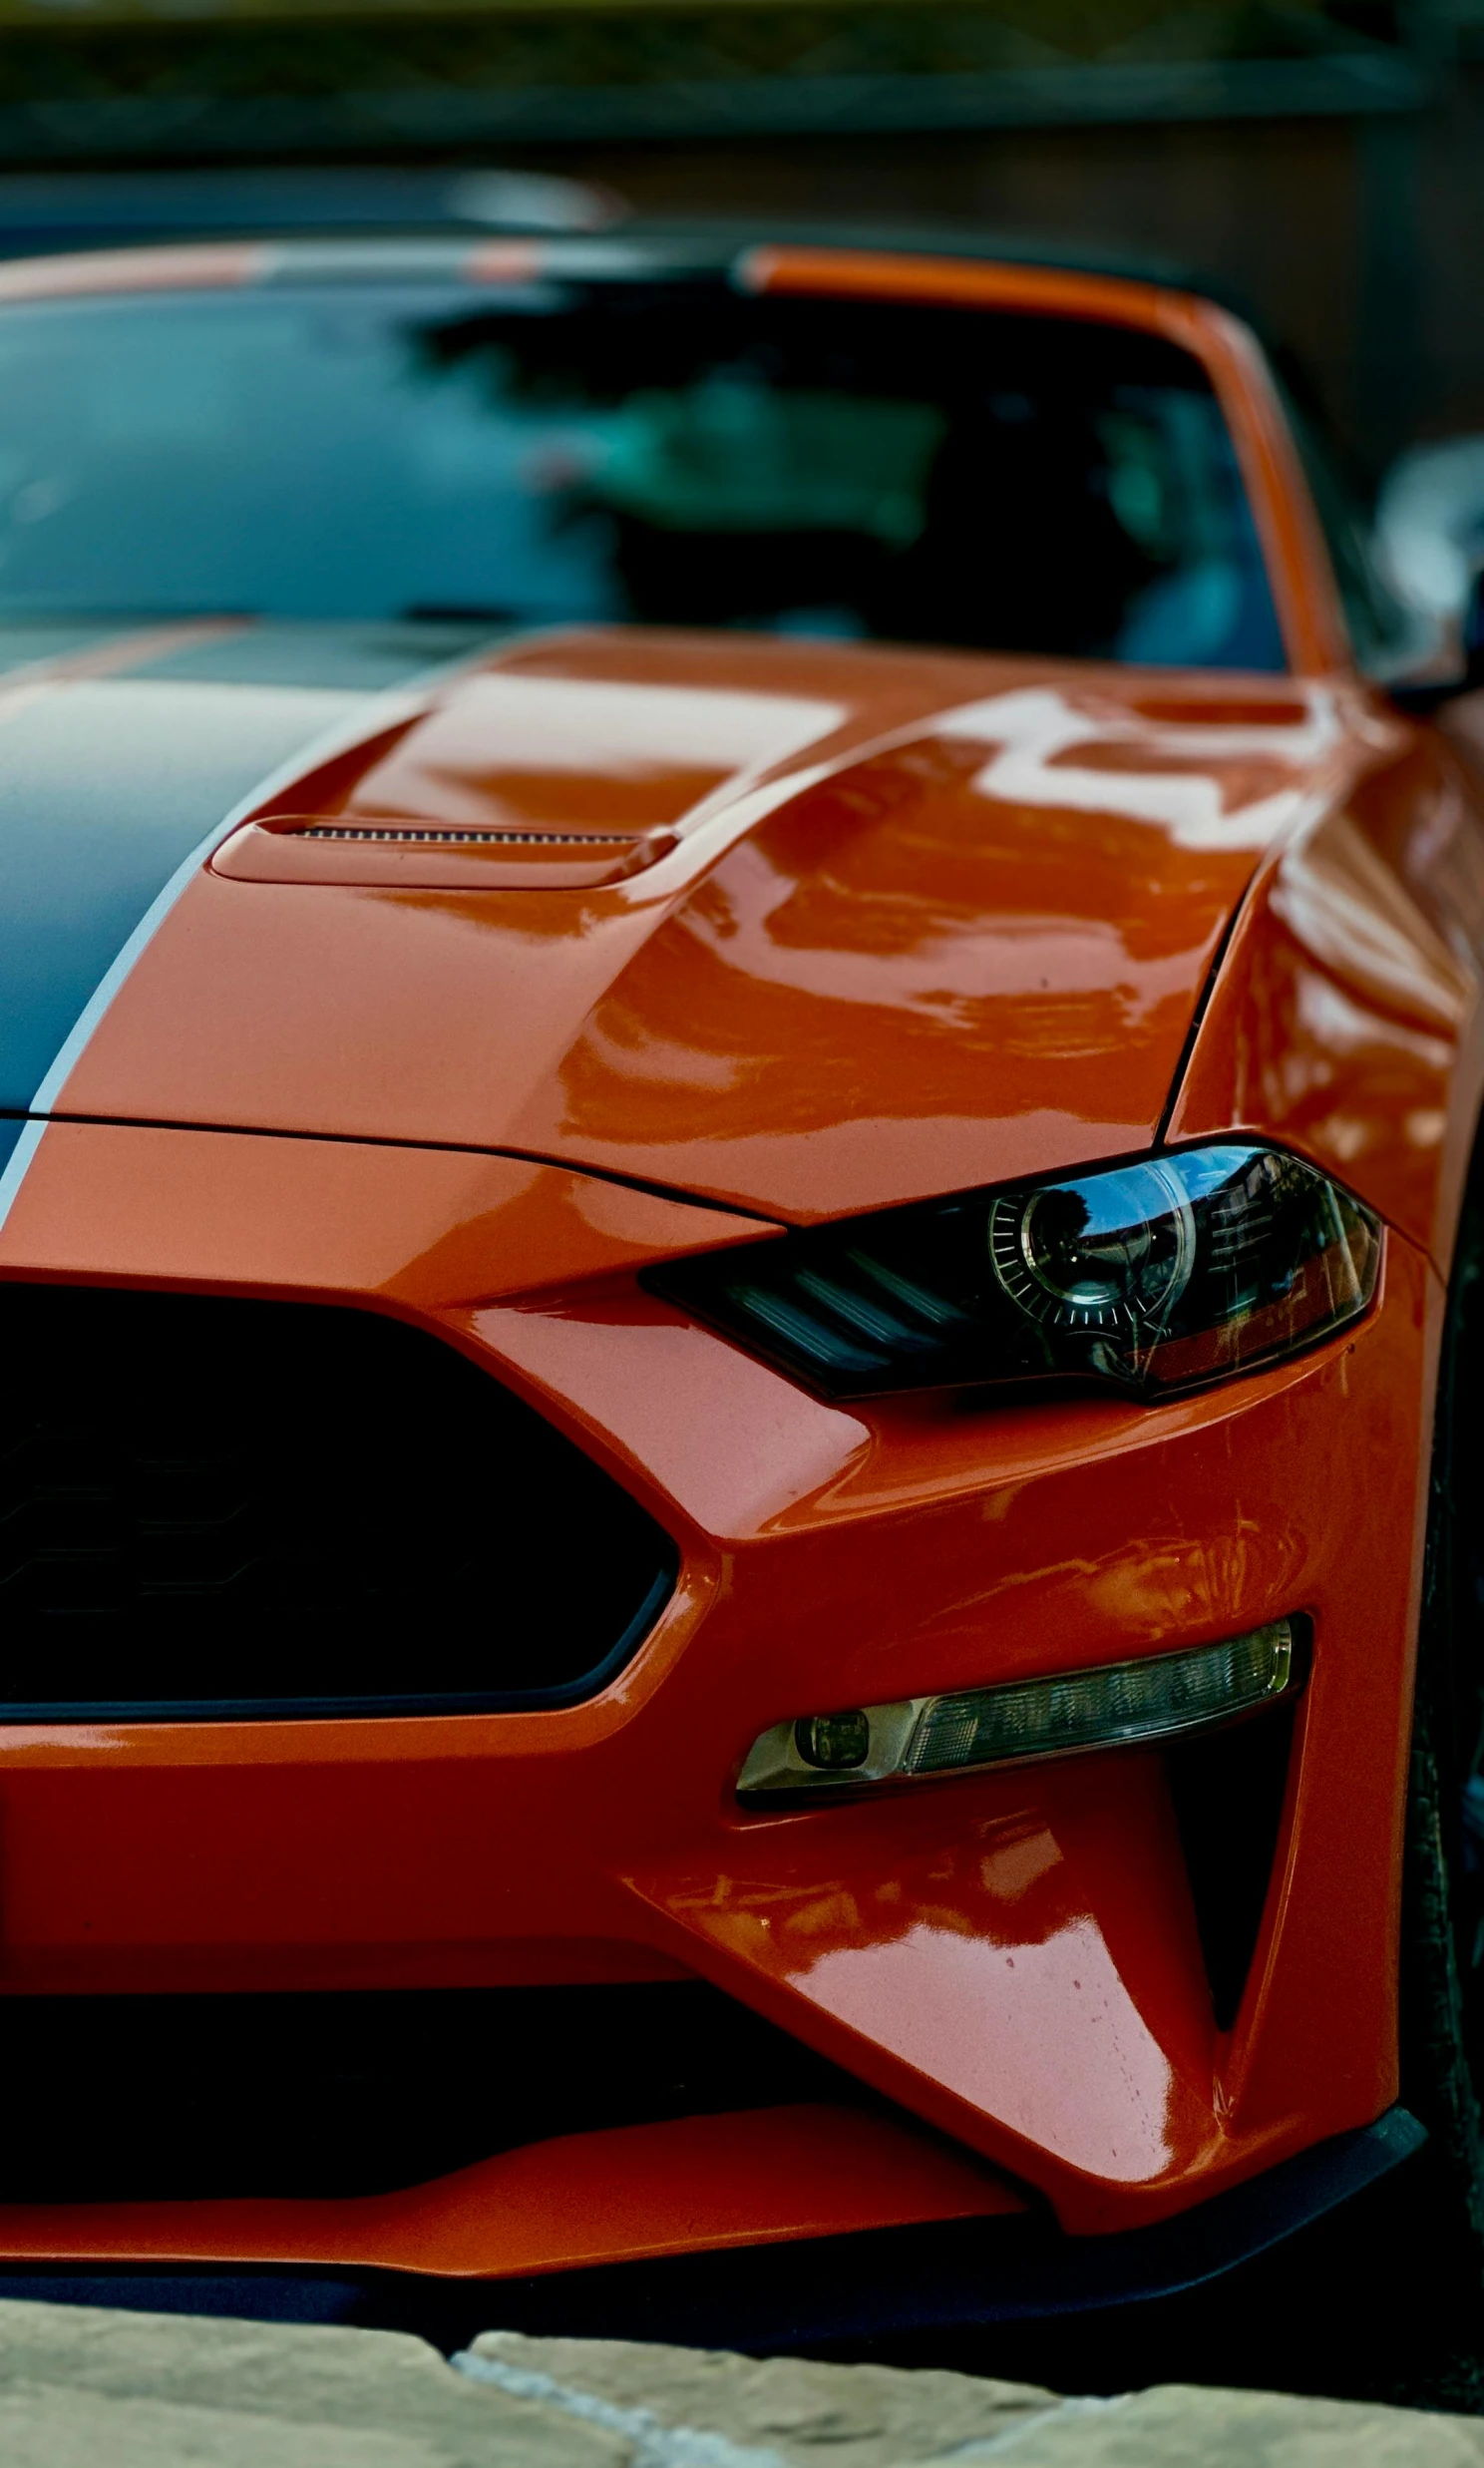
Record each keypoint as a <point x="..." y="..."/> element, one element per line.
<point x="1284" y="215"/>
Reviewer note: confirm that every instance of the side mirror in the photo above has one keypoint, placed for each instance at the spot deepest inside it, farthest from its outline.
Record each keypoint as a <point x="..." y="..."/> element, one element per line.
<point x="1427" y="540"/>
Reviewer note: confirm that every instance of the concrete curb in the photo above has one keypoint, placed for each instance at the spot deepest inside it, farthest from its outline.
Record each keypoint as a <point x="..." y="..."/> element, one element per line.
<point x="800" y="2414"/>
<point x="85" y="2388"/>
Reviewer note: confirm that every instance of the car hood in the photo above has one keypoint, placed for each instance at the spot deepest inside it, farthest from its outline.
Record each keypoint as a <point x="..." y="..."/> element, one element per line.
<point x="801" y="928"/>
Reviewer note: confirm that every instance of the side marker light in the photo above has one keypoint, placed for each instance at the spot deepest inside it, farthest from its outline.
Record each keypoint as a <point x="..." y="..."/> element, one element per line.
<point x="1117" y="1704"/>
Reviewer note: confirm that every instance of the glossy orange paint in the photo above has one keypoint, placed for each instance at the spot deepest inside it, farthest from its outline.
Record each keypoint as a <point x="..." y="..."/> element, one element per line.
<point x="756" y="2177"/>
<point x="229" y="265"/>
<point x="1348" y="1020"/>
<point x="929" y="920"/>
<point x="423" y="1228"/>
<point x="937" y="1942"/>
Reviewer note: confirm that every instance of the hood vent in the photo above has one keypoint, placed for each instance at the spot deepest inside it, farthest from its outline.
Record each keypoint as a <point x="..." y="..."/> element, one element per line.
<point x="407" y="853"/>
<point x="403" y="832"/>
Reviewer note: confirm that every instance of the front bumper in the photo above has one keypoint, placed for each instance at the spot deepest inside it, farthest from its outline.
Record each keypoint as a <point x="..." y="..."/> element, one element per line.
<point x="1012" y="1960"/>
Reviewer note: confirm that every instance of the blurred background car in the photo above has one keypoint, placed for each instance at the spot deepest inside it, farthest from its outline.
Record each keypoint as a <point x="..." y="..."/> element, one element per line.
<point x="1429" y="523"/>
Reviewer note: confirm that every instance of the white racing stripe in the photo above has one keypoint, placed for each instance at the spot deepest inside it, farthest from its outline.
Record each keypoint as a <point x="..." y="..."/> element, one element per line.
<point x="370" y="716"/>
<point x="379" y="713"/>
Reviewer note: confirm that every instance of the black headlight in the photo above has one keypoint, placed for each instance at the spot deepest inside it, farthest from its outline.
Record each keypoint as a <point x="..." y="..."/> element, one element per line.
<point x="1156" y="1275"/>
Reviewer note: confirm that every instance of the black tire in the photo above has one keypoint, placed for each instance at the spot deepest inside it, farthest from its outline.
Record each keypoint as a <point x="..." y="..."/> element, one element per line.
<point x="1442" y="1974"/>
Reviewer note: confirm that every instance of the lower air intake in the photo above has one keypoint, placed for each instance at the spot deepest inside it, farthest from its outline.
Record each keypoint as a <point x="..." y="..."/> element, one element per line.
<point x="203" y="2098"/>
<point x="215" y="1508"/>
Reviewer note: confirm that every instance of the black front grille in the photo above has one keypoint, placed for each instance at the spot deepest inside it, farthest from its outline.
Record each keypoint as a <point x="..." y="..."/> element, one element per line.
<point x="218" y="1507"/>
<point x="115" y="2099"/>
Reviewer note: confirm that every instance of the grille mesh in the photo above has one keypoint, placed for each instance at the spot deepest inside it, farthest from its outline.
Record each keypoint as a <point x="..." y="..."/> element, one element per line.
<point x="213" y="1506"/>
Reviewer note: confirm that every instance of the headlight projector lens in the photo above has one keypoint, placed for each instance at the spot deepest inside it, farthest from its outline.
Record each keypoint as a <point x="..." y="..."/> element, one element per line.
<point x="1112" y="1253"/>
<point x="1157" y="1276"/>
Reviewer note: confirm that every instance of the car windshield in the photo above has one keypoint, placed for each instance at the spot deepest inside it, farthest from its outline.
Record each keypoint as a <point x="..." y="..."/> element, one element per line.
<point x="672" y="451"/>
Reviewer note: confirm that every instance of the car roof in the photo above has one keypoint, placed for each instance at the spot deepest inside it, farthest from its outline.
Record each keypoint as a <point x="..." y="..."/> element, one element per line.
<point x="42" y="214"/>
<point x="641" y="249"/>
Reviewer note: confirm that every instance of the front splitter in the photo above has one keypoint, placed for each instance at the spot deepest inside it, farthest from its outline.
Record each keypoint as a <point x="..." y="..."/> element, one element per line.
<point x="933" y="2275"/>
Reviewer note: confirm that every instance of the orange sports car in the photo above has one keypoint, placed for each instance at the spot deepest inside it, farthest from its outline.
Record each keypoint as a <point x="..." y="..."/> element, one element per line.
<point x="740" y="1041"/>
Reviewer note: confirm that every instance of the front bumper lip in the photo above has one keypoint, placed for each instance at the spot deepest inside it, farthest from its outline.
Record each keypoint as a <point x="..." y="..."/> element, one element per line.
<point x="693" y="2183"/>
<point x="999" y="2264"/>
<point x="1000" y="2270"/>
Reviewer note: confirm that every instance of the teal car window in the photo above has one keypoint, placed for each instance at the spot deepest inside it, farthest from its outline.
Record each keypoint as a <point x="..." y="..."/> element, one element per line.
<point x="660" y="451"/>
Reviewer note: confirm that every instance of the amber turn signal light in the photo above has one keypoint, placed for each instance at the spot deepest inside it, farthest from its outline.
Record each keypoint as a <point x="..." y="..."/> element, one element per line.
<point x="1116" y="1705"/>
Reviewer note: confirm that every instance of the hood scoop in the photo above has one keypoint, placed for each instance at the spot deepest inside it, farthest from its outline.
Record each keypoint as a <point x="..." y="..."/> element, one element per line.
<point x="514" y="781"/>
<point x="409" y="853"/>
